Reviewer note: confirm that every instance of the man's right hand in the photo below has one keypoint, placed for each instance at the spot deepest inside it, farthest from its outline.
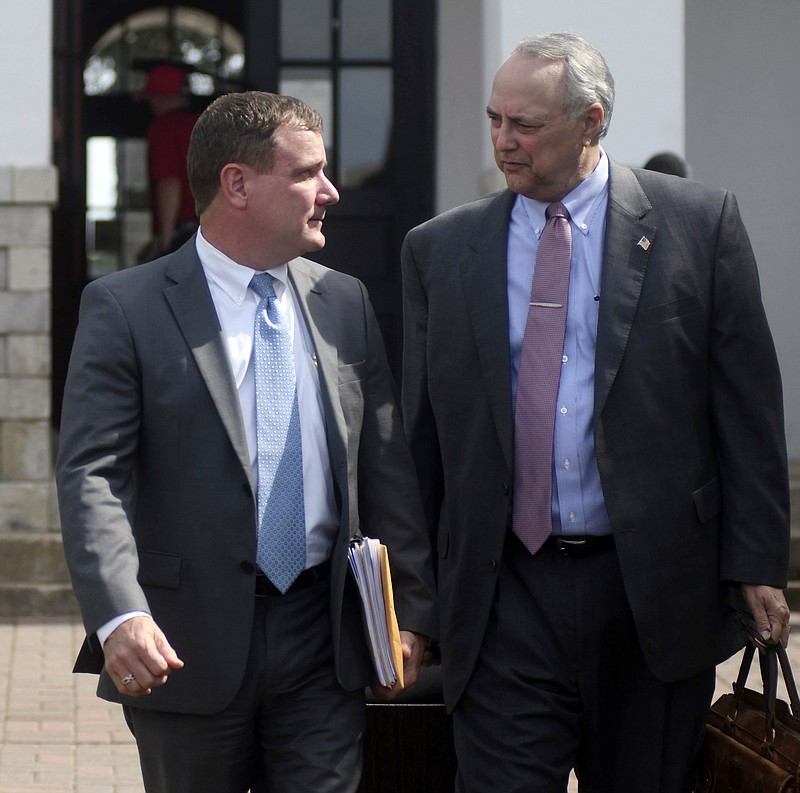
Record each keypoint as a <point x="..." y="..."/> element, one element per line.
<point x="139" y="657"/>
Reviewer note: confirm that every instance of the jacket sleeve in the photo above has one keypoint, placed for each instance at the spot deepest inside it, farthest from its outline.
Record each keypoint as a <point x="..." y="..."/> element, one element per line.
<point x="747" y="410"/>
<point x="94" y="470"/>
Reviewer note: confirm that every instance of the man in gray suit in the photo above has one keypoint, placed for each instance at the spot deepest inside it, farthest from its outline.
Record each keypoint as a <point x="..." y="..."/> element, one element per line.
<point x="666" y="489"/>
<point x="221" y="670"/>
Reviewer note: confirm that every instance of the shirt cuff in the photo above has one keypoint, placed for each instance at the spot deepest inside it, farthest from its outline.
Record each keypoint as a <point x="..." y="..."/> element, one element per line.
<point x="104" y="631"/>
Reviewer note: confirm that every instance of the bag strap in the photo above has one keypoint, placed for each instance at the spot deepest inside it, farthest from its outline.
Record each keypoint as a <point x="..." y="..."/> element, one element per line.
<point x="770" y="656"/>
<point x="788" y="678"/>
<point x="768" y="661"/>
<point x="744" y="671"/>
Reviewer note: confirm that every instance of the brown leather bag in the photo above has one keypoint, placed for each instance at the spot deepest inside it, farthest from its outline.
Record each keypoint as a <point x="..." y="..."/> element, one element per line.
<point x="752" y="740"/>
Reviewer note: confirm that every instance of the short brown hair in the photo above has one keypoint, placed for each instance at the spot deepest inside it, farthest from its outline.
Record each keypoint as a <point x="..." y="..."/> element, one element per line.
<point x="240" y="128"/>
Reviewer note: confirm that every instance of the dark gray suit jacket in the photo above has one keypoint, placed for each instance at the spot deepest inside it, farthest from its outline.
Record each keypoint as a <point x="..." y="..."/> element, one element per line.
<point x="155" y="488"/>
<point x="688" y="414"/>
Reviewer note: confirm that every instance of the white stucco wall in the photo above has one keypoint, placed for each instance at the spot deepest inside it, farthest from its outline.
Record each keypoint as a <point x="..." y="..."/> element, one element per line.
<point x="26" y="87"/>
<point x="743" y="61"/>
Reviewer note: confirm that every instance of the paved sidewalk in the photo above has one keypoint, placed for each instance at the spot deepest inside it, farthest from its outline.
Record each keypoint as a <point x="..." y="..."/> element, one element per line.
<point x="57" y="737"/>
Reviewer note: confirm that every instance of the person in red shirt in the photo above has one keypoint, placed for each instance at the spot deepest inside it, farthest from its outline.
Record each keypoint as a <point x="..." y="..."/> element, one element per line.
<point x="171" y="202"/>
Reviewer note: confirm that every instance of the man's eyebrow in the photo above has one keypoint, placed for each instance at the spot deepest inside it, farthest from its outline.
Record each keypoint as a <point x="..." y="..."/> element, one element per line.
<point x="315" y="165"/>
<point x="523" y="117"/>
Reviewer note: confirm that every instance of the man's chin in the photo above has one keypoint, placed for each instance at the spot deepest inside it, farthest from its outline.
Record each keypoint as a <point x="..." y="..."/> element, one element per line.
<point x="315" y="243"/>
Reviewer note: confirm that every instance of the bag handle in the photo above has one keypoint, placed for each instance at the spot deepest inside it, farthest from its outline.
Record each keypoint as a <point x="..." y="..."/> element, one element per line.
<point x="770" y="657"/>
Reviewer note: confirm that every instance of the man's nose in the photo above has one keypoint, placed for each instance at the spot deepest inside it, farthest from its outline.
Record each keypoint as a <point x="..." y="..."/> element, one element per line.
<point x="504" y="138"/>
<point x="328" y="194"/>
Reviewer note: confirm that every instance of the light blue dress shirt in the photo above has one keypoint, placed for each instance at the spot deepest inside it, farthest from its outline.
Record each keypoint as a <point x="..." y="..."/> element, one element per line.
<point x="578" y="504"/>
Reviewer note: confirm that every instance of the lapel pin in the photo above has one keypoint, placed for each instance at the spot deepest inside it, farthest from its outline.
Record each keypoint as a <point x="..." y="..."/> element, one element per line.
<point x="644" y="243"/>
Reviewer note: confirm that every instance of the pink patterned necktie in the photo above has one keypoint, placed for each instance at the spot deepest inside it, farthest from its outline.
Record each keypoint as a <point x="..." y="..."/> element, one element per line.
<point x="537" y="384"/>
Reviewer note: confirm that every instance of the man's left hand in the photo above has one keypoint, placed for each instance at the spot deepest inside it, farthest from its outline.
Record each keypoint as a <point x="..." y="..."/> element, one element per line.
<point x="770" y="612"/>
<point x="413" y="645"/>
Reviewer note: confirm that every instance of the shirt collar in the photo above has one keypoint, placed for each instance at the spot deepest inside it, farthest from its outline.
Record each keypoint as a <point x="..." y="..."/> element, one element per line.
<point x="230" y="276"/>
<point x="582" y="202"/>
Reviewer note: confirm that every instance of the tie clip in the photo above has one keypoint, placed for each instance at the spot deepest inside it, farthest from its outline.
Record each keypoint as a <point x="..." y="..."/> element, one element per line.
<point x="547" y="305"/>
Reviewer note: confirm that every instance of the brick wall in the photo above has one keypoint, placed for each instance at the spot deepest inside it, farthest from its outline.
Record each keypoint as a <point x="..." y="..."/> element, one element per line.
<point x="26" y="489"/>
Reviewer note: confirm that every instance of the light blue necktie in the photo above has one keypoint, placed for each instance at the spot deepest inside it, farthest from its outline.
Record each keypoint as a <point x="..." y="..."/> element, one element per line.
<point x="281" y="516"/>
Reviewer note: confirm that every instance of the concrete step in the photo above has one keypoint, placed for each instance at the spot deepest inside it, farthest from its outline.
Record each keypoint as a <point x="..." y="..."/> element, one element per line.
<point x="36" y="600"/>
<point x="32" y="559"/>
<point x="33" y="576"/>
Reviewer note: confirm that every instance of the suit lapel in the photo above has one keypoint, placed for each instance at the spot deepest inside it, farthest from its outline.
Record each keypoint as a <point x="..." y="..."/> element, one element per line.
<point x="484" y="281"/>
<point x="628" y="243"/>
<point x="194" y="312"/>
<point x="320" y="324"/>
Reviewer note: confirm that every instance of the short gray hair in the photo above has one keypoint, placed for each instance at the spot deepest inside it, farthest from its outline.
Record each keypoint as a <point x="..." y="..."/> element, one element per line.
<point x="587" y="78"/>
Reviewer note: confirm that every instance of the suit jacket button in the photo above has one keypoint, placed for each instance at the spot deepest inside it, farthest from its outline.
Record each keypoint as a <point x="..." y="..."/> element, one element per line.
<point x="492" y="566"/>
<point x="506" y="489"/>
<point x="248" y="567"/>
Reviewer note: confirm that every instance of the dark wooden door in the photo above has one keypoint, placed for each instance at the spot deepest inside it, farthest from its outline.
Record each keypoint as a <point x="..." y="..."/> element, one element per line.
<point x="367" y="65"/>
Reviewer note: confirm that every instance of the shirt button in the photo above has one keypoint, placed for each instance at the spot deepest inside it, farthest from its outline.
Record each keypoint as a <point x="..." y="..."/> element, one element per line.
<point x="563" y="410"/>
<point x="572" y="517"/>
<point x="567" y="464"/>
<point x="564" y="358"/>
<point x="584" y="226"/>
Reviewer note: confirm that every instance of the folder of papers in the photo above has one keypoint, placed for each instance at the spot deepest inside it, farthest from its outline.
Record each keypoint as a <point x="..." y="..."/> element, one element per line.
<point x="369" y="563"/>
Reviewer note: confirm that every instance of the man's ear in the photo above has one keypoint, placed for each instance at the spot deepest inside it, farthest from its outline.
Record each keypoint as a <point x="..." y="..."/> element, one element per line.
<point x="232" y="185"/>
<point x="593" y="120"/>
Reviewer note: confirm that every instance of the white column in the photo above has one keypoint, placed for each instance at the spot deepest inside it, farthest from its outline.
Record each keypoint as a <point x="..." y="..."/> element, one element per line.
<point x="26" y="121"/>
<point x="27" y="193"/>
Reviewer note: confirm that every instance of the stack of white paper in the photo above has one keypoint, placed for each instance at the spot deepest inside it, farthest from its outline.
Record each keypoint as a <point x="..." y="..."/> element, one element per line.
<point x="369" y="562"/>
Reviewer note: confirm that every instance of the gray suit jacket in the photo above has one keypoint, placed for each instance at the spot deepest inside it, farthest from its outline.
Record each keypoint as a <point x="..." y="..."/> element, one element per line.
<point x="155" y="490"/>
<point x="688" y="414"/>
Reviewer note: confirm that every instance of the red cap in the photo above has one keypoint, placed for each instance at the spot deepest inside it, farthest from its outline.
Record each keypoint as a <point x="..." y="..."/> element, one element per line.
<point x="164" y="81"/>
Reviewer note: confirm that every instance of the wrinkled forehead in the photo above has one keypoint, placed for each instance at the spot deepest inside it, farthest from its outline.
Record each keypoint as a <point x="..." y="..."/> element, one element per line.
<point x="528" y="85"/>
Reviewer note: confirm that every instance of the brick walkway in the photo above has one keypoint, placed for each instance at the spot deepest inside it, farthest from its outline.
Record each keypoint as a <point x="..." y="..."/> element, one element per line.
<point x="57" y="737"/>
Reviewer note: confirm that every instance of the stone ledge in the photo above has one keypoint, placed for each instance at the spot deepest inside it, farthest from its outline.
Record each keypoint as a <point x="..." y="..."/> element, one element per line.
<point x="32" y="559"/>
<point x="36" y="600"/>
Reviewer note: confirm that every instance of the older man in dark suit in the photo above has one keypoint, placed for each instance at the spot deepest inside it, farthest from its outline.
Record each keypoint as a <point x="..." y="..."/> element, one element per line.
<point x="594" y="406"/>
<point x="207" y="508"/>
